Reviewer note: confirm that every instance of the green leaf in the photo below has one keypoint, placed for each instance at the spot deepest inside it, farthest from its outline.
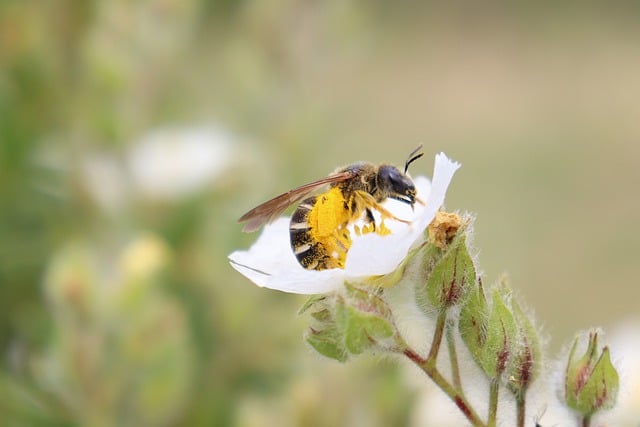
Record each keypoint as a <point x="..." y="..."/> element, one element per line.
<point x="328" y="342"/>
<point x="312" y="301"/>
<point x="367" y="302"/>
<point x="324" y="335"/>
<point x="362" y="330"/>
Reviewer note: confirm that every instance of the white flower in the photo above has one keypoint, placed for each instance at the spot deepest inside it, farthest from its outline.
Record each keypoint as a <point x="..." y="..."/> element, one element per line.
<point x="164" y="165"/>
<point x="171" y="163"/>
<point x="270" y="262"/>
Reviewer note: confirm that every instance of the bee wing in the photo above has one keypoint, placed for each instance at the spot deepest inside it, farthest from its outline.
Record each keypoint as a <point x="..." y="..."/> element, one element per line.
<point x="269" y="210"/>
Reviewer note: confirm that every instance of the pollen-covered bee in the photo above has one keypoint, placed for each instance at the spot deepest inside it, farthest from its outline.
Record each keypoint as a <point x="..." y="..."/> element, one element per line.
<point x="319" y="228"/>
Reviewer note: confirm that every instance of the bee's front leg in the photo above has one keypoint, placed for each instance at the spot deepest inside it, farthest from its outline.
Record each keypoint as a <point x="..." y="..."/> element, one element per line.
<point x="370" y="222"/>
<point x="368" y="204"/>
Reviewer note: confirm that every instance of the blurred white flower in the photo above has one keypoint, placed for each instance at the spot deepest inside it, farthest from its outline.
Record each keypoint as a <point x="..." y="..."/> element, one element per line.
<point x="172" y="163"/>
<point x="164" y="165"/>
<point x="270" y="262"/>
<point x="104" y="180"/>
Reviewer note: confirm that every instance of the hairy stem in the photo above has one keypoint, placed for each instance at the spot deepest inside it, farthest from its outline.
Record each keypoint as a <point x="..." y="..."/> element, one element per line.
<point x="428" y="366"/>
<point x="494" y="390"/>
<point x="521" y="409"/>
<point x="461" y="402"/>
<point x="437" y="337"/>
<point x="453" y="357"/>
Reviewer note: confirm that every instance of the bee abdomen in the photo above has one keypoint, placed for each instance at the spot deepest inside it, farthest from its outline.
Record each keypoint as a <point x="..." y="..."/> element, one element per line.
<point x="316" y="250"/>
<point x="304" y="248"/>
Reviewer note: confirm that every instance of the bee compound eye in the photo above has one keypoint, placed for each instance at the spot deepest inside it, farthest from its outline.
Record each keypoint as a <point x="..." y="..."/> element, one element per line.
<point x="390" y="175"/>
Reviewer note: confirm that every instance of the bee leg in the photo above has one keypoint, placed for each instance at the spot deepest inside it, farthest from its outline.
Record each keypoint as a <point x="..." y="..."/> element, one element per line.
<point x="388" y="215"/>
<point x="385" y="214"/>
<point x="366" y="201"/>
<point x="371" y="225"/>
<point x="370" y="222"/>
<point x="371" y="203"/>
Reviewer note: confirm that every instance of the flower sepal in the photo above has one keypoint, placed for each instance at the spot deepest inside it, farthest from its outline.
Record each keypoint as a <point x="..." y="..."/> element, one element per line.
<point x="591" y="381"/>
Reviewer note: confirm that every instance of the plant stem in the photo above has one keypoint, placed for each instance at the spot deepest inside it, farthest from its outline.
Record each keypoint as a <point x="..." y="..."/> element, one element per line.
<point x="453" y="358"/>
<point x="494" y="389"/>
<point x="428" y="366"/>
<point x="457" y="398"/>
<point x="521" y="409"/>
<point x="437" y="337"/>
<point x="586" y="421"/>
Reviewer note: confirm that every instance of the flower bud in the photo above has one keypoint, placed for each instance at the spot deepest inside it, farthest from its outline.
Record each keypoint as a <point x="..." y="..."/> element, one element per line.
<point x="591" y="381"/>
<point x="502" y="340"/>
<point x="524" y="365"/>
<point x="472" y="323"/>
<point x="501" y="331"/>
<point x="350" y="324"/>
<point x="450" y="273"/>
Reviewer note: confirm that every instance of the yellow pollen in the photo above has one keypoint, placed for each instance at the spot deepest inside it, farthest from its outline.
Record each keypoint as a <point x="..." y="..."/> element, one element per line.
<point x="327" y="221"/>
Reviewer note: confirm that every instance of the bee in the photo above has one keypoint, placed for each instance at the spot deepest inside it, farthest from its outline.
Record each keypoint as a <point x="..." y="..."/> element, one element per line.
<point x="319" y="228"/>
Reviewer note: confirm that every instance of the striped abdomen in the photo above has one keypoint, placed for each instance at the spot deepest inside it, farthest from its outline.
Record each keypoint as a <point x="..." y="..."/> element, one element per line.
<point x="318" y="231"/>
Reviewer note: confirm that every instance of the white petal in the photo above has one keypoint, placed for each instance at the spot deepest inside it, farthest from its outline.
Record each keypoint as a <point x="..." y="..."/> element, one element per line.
<point x="372" y="254"/>
<point x="270" y="263"/>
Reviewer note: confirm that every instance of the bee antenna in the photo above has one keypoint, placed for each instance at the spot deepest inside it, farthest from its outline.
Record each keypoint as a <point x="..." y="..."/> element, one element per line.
<point x="412" y="157"/>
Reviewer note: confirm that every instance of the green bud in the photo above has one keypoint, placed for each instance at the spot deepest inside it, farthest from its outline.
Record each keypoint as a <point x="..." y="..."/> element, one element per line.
<point x="591" y="381"/>
<point x="349" y="324"/>
<point x="474" y="316"/>
<point x="501" y="339"/>
<point x="450" y="274"/>
<point x="524" y="365"/>
<point x="501" y="330"/>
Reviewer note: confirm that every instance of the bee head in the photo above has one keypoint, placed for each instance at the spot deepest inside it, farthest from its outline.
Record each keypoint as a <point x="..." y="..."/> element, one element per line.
<point x="396" y="185"/>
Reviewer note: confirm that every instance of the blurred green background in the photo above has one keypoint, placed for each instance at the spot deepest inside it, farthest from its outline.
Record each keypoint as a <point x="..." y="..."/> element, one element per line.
<point x="133" y="134"/>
